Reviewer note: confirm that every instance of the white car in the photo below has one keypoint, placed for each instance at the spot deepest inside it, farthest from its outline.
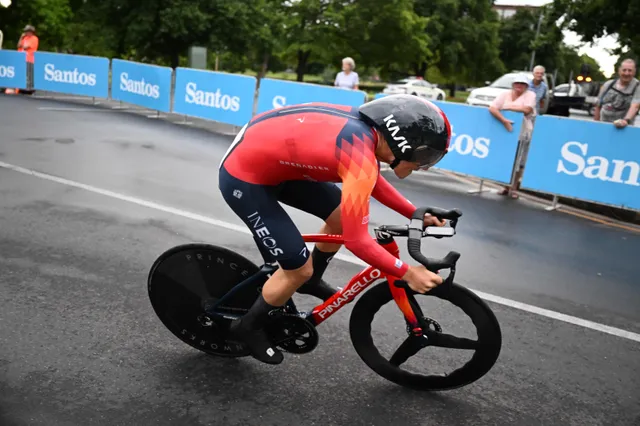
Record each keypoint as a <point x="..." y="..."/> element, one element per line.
<point x="483" y="96"/>
<point x="415" y="86"/>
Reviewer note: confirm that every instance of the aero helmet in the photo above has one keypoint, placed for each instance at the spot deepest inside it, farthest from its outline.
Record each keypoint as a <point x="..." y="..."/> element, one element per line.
<point x="415" y="129"/>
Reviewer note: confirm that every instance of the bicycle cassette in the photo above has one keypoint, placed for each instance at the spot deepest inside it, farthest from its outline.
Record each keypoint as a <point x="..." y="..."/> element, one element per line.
<point x="293" y="334"/>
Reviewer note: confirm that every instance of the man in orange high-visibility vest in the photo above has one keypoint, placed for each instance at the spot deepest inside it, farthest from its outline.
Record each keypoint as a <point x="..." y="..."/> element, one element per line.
<point x="28" y="43"/>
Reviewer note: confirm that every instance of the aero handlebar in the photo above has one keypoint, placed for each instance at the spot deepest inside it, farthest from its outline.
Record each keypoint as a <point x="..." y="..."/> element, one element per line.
<point x="416" y="231"/>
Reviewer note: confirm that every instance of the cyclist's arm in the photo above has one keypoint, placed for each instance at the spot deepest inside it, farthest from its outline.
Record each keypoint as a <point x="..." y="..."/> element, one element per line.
<point x="390" y="197"/>
<point x="358" y="181"/>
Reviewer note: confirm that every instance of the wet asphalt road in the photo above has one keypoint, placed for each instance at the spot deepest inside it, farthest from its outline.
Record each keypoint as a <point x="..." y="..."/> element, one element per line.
<point x="81" y="345"/>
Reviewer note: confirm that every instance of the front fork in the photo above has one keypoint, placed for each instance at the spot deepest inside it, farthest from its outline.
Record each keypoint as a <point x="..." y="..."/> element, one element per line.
<point x="406" y="302"/>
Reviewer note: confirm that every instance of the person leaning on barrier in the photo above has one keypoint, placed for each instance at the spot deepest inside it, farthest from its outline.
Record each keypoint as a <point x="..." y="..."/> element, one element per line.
<point x="518" y="99"/>
<point x="347" y="78"/>
<point x="619" y="98"/>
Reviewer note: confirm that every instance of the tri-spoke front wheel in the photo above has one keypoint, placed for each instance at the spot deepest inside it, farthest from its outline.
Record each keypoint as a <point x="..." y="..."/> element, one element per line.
<point x="485" y="346"/>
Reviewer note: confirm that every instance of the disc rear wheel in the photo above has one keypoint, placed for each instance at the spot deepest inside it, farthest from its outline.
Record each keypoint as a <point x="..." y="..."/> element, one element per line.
<point x="186" y="278"/>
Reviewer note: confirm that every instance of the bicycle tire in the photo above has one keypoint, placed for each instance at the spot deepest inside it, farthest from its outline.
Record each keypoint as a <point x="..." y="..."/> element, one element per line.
<point x="487" y="326"/>
<point x="183" y="277"/>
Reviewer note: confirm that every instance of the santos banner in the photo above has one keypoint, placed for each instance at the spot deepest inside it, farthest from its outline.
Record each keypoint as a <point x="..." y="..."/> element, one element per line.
<point x="586" y="160"/>
<point x="73" y="74"/>
<point x="141" y="84"/>
<point x="480" y="145"/>
<point x="227" y="98"/>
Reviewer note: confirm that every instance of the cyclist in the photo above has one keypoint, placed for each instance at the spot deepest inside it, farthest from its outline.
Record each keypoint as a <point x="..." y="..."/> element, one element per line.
<point x="295" y="155"/>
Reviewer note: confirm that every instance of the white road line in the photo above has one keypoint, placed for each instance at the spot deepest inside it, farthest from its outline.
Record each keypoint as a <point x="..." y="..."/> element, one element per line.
<point x="76" y="109"/>
<point x="486" y="296"/>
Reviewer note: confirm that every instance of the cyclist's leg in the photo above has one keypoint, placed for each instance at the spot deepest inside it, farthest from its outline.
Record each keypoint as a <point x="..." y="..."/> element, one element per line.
<point x="259" y="209"/>
<point x="321" y="199"/>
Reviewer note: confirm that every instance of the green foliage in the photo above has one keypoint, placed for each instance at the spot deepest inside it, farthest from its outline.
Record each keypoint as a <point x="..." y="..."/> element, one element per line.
<point x="49" y="17"/>
<point x="593" y="19"/>
<point x="464" y="38"/>
<point x="447" y="41"/>
<point x="518" y="40"/>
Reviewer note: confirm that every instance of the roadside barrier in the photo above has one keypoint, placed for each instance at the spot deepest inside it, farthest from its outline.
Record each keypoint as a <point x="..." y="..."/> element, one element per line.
<point x="13" y="69"/>
<point x="589" y="161"/>
<point x="71" y="74"/>
<point x="278" y="93"/>
<point x="140" y="84"/>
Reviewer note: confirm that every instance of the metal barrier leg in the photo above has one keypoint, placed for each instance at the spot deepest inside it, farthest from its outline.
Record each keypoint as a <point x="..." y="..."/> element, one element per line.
<point x="554" y="205"/>
<point x="480" y="189"/>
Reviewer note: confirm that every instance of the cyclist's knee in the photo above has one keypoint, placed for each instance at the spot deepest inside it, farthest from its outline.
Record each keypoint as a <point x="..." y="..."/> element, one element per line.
<point x="333" y="224"/>
<point x="302" y="274"/>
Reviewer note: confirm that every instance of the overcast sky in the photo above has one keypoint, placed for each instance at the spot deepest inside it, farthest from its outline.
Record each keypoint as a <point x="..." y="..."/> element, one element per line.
<point x="598" y="50"/>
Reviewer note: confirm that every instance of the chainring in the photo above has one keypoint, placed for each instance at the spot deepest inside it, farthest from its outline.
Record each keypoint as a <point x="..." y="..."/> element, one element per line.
<point x="293" y="333"/>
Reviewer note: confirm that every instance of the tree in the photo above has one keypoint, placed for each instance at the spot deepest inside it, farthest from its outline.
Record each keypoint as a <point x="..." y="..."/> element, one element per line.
<point x="387" y="34"/>
<point x="49" y="17"/>
<point x="518" y="40"/>
<point x="307" y="30"/>
<point x="592" y="19"/>
<point x="464" y="38"/>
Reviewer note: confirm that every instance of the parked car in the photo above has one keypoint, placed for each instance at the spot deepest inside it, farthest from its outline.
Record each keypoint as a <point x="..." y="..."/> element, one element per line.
<point x="483" y="96"/>
<point x="417" y="87"/>
<point x="572" y="97"/>
<point x="569" y="96"/>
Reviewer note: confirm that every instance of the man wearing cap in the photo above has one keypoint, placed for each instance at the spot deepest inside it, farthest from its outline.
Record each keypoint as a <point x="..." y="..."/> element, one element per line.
<point x="518" y="99"/>
<point x="28" y="43"/>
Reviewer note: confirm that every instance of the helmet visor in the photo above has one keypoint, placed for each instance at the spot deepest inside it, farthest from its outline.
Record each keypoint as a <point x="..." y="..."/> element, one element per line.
<point x="427" y="157"/>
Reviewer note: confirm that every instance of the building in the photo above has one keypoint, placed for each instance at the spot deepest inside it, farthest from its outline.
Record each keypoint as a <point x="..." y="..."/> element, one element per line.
<point x="508" y="8"/>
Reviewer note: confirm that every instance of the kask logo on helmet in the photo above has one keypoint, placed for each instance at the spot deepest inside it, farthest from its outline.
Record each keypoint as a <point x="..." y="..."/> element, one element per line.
<point x="393" y="128"/>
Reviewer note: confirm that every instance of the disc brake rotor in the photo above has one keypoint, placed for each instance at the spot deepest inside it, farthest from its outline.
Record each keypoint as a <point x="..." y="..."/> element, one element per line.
<point x="433" y="325"/>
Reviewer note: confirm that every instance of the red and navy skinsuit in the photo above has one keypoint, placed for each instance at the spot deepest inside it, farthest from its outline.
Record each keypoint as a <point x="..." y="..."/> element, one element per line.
<point x="295" y="155"/>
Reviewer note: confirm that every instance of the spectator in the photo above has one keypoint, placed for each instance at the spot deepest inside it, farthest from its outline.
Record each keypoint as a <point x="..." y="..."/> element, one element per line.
<point x="28" y="43"/>
<point x="619" y="98"/>
<point x="539" y="87"/>
<point x="347" y="78"/>
<point x="518" y="99"/>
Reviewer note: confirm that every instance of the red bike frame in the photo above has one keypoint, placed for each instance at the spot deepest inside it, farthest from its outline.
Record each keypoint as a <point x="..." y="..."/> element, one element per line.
<point x="360" y="282"/>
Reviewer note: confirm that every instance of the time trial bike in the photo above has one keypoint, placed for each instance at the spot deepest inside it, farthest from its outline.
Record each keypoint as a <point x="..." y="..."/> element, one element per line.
<point x="198" y="289"/>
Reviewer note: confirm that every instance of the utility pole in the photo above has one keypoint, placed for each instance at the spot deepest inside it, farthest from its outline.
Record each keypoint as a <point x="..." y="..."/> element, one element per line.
<point x="533" y="54"/>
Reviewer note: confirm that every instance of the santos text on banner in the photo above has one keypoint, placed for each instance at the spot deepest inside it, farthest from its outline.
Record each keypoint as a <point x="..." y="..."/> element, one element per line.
<point x="480" y="145"/>
<point x="73" y="74"/>
<point x="586" y="160"/>
<point x="278" y="93"/>
<point x="227" y="98"/>
<point x="141" y="84"/>
<point x="13" y="69"/>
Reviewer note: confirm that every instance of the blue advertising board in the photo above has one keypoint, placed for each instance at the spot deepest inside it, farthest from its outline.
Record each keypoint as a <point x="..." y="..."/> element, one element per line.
<point x="73" y="74"/>
<point x="13" y="69"/>
<point x="586" y="160"/>
<point x="480" y="144"/>
<point x="141" y="84"/>
<point x="227" y="98"/>
<point x="278" y="93"/>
